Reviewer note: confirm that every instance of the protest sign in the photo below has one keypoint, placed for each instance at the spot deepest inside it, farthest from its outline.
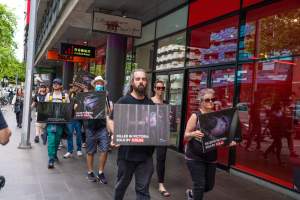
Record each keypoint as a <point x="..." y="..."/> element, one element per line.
<point x="90" y="105"/>
<point x="219" y="128"/>
<point x="50" y="112"/>
<point x="139" y="125"/>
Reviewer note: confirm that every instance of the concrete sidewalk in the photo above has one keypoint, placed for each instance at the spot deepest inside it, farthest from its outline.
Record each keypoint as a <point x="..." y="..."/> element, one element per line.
<point x="28" y="177"/>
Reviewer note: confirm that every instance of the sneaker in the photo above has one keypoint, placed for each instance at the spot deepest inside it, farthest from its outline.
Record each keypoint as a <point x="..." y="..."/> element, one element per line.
<point x="91" y="177"/>
<point x="37" y="139"/>
<point x="83" y="145"/>
<point x="101" y="178"/>
<point x="189" y="194"/>
<point x="67" y="155"/>
<point x="79" y="153"/>
<point x="51" y="164"/>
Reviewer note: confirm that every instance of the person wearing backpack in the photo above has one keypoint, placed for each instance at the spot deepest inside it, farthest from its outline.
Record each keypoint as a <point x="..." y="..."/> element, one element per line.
<point x="54" y="131"/>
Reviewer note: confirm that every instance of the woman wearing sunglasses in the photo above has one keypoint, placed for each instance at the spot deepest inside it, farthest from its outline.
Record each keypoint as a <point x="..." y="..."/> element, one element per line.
<point x="161" y="151"/>
<point x="202" y="166"/>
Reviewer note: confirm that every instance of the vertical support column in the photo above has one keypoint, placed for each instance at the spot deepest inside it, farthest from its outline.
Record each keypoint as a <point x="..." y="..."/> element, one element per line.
<point x="115" y="65"/>
<point x="67" y="75"/>
<point x="25" y="135"/>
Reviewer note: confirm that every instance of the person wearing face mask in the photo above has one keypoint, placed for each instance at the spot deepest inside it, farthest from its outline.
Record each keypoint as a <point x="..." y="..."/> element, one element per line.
<point x="39" y="97"/>
<point x="97" y="135"/>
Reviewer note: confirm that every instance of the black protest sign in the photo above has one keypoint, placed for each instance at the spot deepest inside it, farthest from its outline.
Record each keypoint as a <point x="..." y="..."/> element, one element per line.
<point x="219" y="128"/>
<point x="83" y="79"/>
<point x="50" y="112"/>
<point x="138" y="125"/>
<point x="90" y="105"/>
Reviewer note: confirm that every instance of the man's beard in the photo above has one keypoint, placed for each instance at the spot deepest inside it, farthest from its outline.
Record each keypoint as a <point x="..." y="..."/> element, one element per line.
<point x="141" y="90"/>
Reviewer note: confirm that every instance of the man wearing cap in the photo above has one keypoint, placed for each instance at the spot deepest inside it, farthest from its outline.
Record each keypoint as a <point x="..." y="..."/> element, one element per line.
<point x="55" y="131"/>
<point x="39" y="97"/>
<point x="97" y="134"/>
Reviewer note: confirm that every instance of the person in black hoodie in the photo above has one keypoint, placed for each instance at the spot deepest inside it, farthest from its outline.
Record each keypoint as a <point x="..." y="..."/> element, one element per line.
<point x="134" y="160"/>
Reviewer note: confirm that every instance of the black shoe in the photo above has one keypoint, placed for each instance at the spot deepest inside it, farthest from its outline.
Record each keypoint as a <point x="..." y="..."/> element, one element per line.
<point x="2" y="182"/>
<point x="51" y="164"/>
<point x="44" y="138"/>
<point x="101" y="178"/>
<point x="91" y="177"/>
<point x="37" y="139"/>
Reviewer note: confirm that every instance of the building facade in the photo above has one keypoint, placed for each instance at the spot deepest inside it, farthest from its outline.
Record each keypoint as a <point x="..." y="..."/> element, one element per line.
<point x="246" y="50"/>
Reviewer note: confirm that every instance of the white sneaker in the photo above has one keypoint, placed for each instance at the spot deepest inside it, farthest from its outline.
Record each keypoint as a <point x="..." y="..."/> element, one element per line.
<point x="83" y="145"/>
<point x="79" y="153"/>
<point x="68" y="155"/>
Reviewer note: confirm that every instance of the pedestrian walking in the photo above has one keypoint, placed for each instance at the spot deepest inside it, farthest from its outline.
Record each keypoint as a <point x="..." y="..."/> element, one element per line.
<point x="134" y="160"/>
<point x="74" y="125"/>
<point x="161" y="151"/>
<point x="39" y="97"/>
<point x="17" y="102"/>
<point x="202" y="166"/>
<point x="54" y="131"/>
<point x="97" y="136"/>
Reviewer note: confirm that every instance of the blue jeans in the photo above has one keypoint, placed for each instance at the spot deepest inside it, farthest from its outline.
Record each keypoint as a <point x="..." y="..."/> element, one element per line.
<point x="74" y="125"/>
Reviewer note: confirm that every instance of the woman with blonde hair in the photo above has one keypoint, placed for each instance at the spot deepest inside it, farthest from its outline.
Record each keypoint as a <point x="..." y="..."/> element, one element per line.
<point x="202" y="166"/>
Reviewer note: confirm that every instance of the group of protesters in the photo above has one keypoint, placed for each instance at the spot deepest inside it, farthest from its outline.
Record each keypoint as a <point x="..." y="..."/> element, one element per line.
<point x="98" y="135"/>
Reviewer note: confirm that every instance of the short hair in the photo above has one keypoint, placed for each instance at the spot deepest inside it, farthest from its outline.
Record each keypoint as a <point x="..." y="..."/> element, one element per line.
<point x="205" y="91"/>
<point x="132" y="77"/>
<point x="158" y="81"/>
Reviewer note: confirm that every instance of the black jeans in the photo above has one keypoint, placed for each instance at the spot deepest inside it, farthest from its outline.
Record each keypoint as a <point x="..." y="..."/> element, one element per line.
<point x="19" y="118"/>
<point x="203" y="177"/>
<point x="143" y="172"/>
<point x="161" y="154"/>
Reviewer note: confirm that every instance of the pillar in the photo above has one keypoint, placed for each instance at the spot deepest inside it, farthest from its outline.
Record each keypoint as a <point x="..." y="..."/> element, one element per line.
<point x="115" y="65"/>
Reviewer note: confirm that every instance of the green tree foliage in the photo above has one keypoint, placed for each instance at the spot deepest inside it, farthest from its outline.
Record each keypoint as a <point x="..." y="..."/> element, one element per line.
<point x="9" y="65"/>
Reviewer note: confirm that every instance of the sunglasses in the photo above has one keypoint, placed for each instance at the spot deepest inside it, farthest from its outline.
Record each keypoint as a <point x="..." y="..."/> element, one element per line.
<point x="160" y="88"/>
<point x="209" y="100"/>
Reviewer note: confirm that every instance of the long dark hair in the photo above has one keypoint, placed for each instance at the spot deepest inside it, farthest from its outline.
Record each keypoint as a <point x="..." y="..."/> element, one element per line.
<point x="132" y="79"/>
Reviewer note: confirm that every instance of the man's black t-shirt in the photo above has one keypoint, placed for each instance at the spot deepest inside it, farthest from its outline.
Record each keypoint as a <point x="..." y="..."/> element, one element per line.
<point x="134" y="153"/>
<point x="2" y="122"/>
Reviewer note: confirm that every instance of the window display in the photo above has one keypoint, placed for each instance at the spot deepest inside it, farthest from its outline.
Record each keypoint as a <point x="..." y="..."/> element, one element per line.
<point x="216" y="43"/>
<point x="171" y="52"/>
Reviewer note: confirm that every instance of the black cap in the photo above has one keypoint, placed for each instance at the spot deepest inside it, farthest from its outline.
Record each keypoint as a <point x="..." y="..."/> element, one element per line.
<point x="57" y="80"/>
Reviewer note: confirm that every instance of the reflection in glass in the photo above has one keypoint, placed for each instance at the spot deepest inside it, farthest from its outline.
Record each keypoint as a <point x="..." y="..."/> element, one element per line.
<point x="144" y="57"/>
<point x="175" y="98"/>
<point x="269" y="95"/>
<point x="270" y="36"/>
<point x="171" y="52"/>
<point x="197" y="81"/>
<point x="215" y="43"/>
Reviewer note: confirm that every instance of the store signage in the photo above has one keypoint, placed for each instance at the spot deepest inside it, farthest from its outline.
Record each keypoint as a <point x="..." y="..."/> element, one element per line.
<point x="77" y="50"/>
<point x="54" y="55"/>
<point x="139" y="125"/>
<point x="115" y="24"/>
